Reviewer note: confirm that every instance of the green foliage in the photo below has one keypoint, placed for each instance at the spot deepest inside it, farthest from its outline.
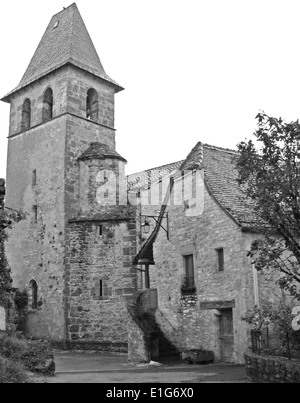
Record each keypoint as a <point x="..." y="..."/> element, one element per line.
<point x="32" y="354"/>
<point x="21" y="299"/>
<point x="12" y="372"/>
<point x="277" y="318"/>
<point x="7" y="218"/>
<point x="269" y="174"/>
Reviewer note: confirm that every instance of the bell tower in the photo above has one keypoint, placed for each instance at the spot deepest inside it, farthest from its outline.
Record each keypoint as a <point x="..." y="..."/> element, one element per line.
<point x="73" y="262"/>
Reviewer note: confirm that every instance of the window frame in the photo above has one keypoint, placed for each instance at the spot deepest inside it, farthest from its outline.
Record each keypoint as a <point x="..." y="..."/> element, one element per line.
<point x="188" y="283"/>
<point x="47" y="108"/>
<point x="26" y="115"/>
<point x="220" y="259"/>
<point x="92" y="105"/>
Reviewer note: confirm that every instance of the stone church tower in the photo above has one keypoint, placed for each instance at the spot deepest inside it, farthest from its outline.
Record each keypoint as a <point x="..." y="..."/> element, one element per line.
<point x="72" y="253"/>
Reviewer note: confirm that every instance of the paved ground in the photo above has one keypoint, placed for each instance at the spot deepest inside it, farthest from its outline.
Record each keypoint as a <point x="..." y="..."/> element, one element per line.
<point x="77" y="367"/>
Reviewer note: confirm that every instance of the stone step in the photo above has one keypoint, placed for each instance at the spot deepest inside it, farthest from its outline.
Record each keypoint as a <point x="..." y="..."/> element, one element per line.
<point x="167" y="351"/>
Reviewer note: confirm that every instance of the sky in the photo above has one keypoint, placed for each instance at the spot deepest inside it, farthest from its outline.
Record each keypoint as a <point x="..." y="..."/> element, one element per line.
<point x="193" y="70"/>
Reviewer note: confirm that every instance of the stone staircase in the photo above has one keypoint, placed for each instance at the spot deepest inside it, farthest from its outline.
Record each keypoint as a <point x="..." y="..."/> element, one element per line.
<point x="159" y="348"/>
<point x="167" y="352"/>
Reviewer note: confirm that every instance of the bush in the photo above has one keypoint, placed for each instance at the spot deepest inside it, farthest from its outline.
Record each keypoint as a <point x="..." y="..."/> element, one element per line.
<point x="12" y="372"/>
<point x="36" y="356"/>
<point x="272" y="328"/>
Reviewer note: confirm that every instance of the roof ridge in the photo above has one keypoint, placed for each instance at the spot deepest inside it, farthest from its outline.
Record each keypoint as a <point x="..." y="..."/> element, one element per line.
<point x="156" y="168"/>
<point x="229" y="150"/>
<point x="72" y="34"/>
<point x="65" y="8"/>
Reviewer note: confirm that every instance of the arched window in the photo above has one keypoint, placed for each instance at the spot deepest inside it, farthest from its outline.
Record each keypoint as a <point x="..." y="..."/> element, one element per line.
<point x="26" y="115"/>
<point x="92" y="104"/>
<point x="47" y="113"/>
<point x="33" y="295"/>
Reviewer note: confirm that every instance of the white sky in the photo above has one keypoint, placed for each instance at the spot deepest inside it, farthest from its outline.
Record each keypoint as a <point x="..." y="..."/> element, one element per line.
<point x="193" y="70"/>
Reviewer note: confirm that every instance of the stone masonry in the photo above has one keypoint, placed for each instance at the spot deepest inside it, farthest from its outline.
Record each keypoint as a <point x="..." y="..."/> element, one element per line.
<point x="74" y="244"/>
<point x="193" y="327"/>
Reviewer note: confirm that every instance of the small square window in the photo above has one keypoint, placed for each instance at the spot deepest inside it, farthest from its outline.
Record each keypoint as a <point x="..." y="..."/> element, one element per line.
<point x="220" y="257"/>
<point x="35" y="214"/>
<point x="34" y="177"/>
<point x="98" y="232"/>
<point x="101" y="288"/>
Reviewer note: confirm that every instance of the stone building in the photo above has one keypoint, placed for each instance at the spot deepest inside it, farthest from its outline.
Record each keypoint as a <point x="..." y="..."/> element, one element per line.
<point x="154" y="262"/>
<point x="72" y="252"/>
<point x="204" y="280"/>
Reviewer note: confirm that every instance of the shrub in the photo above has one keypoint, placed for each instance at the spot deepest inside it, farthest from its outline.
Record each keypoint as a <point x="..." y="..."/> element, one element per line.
<point x="272" y="324"/>
<point x="12" y="372"/>
<point x="34" y="355"/>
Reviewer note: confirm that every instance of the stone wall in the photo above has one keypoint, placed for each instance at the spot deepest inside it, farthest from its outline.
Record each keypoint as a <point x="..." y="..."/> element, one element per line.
<point x="138" y="345"/>
<point x="36" y="245"/>
<point x="198" y="327"/>
<point x="68" y="260"/>
<point x="267" y="369"/>
<point x="58" y="81"/>
<point x="100" y="261"/>
<point x="78" y="85"/>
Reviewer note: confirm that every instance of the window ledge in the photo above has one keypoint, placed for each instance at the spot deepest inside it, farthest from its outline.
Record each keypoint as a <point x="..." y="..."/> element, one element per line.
<point x="188" y="290"/>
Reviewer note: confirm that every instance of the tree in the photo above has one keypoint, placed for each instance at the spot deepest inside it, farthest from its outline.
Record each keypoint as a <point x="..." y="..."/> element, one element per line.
<point x="278" y="318"/>
<point x="269" y="174"/>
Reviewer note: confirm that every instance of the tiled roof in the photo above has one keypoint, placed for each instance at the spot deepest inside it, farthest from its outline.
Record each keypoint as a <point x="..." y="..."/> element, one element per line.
<point x="221" y="181"/>
<point x="66" y="40"/>
<point x="100" y="151"/>
<point x="141" y="180"/>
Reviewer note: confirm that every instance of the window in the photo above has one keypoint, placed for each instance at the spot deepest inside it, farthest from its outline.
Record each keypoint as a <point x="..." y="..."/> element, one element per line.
<point x="220" y="257"/>
<point x="33" y="295"/>
<point x="34" y="177"/>
<point x="26" y="115"/>
<point x="189" y="276"/>
<point x="99" y="230"/>
<point x="35" y="214"/>
<point x="92" y="104"/>
<point x="101" y="289"/>
<point x="47" y="112"/>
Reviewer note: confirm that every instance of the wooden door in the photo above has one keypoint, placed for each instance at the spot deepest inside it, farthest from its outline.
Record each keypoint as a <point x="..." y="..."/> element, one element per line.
<point x="226" y="336"/>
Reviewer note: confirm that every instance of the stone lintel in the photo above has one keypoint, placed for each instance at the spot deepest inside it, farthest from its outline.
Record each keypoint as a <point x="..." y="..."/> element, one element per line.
<point x="206" y="305"/>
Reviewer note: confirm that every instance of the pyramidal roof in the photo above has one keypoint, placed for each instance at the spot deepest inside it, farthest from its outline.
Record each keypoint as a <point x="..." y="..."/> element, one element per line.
<point x="98" y="150"/>
<point x="66" y="40"/>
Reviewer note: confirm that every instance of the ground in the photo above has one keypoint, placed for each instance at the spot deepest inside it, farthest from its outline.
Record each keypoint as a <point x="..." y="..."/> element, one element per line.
<point x="79" y="367"/>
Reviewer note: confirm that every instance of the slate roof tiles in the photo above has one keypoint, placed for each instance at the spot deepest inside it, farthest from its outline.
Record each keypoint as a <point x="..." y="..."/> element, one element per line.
<point x="66" y="40"/>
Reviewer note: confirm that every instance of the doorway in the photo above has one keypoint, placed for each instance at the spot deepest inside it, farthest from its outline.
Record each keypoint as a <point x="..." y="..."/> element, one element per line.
<point x="226" y="335"/>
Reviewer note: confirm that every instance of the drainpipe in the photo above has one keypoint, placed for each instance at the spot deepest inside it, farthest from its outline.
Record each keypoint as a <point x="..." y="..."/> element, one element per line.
<point x="255" y="285"/>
